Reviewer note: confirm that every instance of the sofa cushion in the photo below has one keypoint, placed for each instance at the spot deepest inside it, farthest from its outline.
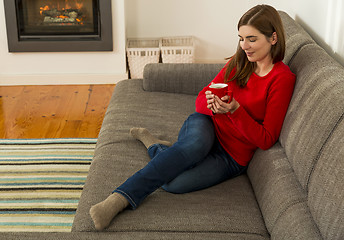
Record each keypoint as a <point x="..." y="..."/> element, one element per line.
<point x="126" y="236"/>
<point x="233" y="210"/>
<point x="326" y="186"/>
<point x="296" y="223"/>
<point x="296" y="37"/>
<point x="314" y="110"/>
<point x="187" y="78"/>
<point x="162" y="113"/>
<point x="274" y="183"/>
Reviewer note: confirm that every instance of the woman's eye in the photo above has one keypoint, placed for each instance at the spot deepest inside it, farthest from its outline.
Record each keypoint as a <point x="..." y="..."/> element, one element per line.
<point x="250" y="39"/>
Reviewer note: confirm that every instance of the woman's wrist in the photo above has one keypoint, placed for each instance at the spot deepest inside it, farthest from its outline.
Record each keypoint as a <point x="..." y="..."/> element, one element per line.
<point x="237" y="105"/>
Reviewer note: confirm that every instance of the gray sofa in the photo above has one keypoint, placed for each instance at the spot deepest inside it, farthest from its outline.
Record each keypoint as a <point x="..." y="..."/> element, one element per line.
<point x="295" y="190"/>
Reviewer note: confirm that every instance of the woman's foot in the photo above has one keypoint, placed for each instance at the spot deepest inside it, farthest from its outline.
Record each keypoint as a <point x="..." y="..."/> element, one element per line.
<point x="143" y="135"/>
<point x="103" y="212"/>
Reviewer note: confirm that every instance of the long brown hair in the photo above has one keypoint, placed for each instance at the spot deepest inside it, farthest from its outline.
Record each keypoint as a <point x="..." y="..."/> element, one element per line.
<point x="267" y="21"/>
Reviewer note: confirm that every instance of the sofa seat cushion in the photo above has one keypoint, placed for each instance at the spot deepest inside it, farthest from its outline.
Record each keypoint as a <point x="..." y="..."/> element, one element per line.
<point x="131" y="106"/>
<point x="227" y="208"/>
<point x="213" y="210"/>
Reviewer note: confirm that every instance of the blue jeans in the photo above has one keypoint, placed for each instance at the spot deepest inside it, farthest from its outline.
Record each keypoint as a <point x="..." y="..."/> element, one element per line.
<point x="196" y="161"/>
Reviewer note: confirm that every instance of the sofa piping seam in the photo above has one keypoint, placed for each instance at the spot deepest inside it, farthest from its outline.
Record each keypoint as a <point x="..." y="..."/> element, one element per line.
<point x="291" y="205"/>
<point x="183" y="231"/>
<point x="286" y="208"/>
<point x="298" y="50"/>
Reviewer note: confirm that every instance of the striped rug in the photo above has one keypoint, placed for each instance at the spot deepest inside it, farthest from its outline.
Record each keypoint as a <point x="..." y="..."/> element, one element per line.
<point x="41" y="182"/>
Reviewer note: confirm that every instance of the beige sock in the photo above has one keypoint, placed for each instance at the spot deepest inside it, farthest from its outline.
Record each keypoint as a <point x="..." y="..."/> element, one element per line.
<point x="103" y="212"/>
<point x="143" y="135"/>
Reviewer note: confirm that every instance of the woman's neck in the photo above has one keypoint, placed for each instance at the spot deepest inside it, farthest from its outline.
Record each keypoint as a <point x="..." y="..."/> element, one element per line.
<point x="263" y="68"/>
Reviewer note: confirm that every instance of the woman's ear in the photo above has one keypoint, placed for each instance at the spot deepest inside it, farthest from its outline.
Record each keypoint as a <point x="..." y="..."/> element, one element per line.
<point x="274" y="38"/>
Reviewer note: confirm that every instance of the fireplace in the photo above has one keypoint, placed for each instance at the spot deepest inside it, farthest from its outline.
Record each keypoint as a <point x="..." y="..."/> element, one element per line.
<point x="58" y="25"/>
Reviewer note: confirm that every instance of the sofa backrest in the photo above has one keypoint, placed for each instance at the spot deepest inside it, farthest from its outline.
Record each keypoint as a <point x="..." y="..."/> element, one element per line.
<point x="296" y="37"/>
<point x="185" y="78"/>
<point x="315" y="108"/>
<point x="313" y="131"/>
<point x="326" y="186"/>
<point x="316" y="104"/>
<point x="309" y="128"/>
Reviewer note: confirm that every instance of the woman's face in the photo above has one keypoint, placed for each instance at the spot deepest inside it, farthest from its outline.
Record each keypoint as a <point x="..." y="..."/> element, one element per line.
<point x="255" y="44"/>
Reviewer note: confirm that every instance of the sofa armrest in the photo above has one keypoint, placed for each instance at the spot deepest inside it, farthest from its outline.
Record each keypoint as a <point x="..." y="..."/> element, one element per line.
<point x="186" y="78"/>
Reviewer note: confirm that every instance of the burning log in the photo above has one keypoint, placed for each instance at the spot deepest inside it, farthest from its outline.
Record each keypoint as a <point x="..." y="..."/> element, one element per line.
<point x="51" y="13"/>
<point x="61" y="16"/>
<point x="66" y="12"/>
<point x="59" y="20"/>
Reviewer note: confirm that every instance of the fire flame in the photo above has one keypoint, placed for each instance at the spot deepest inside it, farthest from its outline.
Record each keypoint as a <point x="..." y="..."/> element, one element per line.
<point x="69" y="4"/>
<point x="45" y="8"/>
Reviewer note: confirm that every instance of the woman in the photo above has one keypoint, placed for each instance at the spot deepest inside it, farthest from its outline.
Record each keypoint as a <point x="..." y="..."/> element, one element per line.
<point x="218" y="141"/>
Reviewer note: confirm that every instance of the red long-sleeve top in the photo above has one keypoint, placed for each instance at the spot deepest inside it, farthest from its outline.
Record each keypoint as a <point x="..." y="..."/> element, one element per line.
<point x="258" y="121"/>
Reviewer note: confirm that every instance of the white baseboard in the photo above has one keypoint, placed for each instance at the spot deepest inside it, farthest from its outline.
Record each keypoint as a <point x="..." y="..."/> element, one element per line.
<point x="61" y="79"/>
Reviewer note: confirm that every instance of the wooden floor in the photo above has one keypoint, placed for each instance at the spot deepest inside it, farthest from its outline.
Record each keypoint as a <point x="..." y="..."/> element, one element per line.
<point x="53" y="111"/>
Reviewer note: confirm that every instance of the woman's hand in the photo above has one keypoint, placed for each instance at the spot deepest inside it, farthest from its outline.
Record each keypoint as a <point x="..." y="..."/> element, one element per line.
<point x="218" y="105"/>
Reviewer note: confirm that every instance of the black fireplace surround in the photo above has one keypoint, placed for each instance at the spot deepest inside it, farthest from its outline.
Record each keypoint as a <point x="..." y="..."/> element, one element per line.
<point x="58" y="25"/>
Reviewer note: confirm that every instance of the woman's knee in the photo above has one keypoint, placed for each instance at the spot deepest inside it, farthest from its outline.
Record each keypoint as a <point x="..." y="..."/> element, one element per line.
<point x="201" y="121"/>
<point x="197" y="132"/>
<point x="184" y="183"/>
<point x="173" y="188"/>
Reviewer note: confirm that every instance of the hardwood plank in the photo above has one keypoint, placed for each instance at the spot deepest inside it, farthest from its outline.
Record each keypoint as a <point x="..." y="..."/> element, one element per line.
<point x="65" y="111"/>
<point x="95" y="105"/>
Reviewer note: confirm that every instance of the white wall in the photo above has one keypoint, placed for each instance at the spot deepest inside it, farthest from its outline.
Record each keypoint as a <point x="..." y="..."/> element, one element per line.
<point x="65" y="68"/>
<point x="322" y="19"/>
<point x="213" y="22"/>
